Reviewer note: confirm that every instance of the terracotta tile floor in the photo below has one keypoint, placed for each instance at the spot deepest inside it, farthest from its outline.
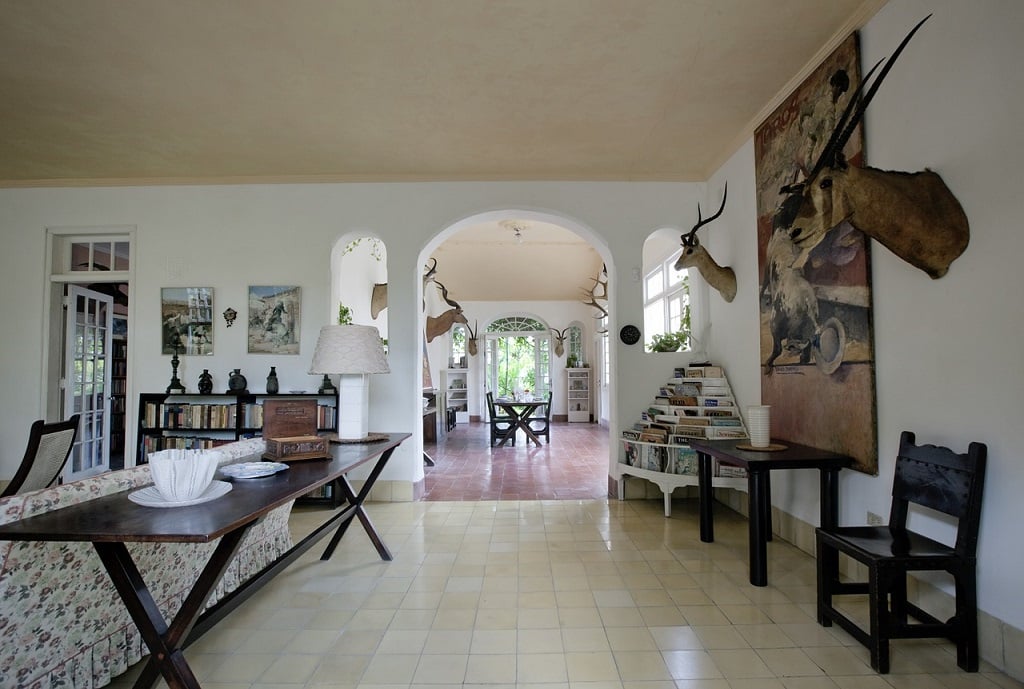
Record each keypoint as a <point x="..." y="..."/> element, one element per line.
<point x="574" y="466"/>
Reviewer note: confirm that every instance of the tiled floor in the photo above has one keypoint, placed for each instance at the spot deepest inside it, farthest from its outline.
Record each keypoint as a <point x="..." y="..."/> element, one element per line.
<point x="571" y="594"/>
<point x="573" y="466"/>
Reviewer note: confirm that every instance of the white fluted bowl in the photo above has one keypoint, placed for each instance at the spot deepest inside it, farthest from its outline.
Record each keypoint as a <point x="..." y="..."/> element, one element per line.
<point x="182" y="475"/>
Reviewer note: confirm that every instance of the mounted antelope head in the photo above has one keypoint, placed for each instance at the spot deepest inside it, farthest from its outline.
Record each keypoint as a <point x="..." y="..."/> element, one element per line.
<point x="435" y="296"/>
<point x="559" y="340"/>
<point x="696" y="256"/>
<point x="471" y="341"/>
<point x="914" y="215"/>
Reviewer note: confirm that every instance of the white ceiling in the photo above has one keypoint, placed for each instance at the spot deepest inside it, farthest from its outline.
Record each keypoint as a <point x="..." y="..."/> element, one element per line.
<point x="214" y="91"/>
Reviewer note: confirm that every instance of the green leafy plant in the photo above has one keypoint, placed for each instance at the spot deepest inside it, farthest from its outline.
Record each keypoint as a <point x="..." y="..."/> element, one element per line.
<point x="669" y="342"/>
<point x="344" y="314"/>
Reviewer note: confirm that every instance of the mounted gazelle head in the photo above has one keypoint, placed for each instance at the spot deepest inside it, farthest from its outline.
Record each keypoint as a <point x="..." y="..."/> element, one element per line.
<point x="914" y="215"/>
<point x="471" y="341"/>
<point x="559" y="340"/>
<point x="696" y="256"/>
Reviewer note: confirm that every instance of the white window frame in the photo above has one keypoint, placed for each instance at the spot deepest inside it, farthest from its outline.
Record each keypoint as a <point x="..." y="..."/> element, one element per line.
<point x="665" y="294"/>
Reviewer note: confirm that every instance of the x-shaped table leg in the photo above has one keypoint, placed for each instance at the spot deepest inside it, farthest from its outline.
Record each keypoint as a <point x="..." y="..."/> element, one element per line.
<point x="165" y="641"/>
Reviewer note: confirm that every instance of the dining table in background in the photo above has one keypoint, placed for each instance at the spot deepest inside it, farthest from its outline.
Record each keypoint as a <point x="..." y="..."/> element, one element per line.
<point x="520" y="411"/>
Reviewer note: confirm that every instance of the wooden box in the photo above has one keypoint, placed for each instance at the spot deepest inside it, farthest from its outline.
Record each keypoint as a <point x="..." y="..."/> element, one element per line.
<point x="285" y="418"/>
<point x="296" y="448"/>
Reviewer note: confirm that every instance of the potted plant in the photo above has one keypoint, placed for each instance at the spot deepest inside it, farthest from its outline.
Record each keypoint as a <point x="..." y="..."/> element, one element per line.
<point x="669" y="342"/>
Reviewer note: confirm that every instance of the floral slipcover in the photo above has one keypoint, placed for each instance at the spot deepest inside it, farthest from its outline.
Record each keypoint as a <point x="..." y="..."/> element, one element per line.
<point x="63" y="625"/>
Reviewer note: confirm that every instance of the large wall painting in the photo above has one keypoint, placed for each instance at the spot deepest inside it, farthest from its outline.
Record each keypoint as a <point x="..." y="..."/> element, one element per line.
<point x="817" y="350"/>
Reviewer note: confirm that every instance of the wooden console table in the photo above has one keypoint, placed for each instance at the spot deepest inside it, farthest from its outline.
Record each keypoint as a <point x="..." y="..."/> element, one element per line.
<point x="111" y="522"/>
<point x="759" y="466"/>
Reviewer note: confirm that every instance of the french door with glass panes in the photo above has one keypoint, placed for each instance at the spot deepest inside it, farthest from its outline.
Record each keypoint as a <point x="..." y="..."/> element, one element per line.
<point x="88" y="320"/>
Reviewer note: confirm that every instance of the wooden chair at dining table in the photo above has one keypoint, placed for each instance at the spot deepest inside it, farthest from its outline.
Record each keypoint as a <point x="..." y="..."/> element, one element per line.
<point x="541" y="424"/>
<point x="502" y="425"/>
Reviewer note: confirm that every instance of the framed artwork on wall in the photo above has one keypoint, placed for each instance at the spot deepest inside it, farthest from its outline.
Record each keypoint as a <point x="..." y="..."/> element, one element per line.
<point x="275" y="315"/>
<point x="817" y="345"/>
<point x="186" y="315"/>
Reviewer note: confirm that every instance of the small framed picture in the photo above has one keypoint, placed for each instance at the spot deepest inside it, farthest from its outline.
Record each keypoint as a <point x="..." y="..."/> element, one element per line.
<point x="186" y="315"/>
<point x="275" y="315"/>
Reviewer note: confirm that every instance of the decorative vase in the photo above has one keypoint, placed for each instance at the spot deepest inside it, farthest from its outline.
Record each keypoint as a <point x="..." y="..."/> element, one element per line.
<point x="237" y="382"/>
<point x="205" y="382"/>
<point x="272" y="386"/>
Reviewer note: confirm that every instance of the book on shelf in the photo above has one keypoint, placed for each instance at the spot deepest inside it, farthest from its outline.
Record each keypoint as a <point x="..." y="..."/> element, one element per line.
<point x="631" y="435"/>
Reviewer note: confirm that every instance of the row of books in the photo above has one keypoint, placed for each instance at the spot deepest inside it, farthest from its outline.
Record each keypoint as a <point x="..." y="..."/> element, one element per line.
<point x="673" y="460"/>
<point x="175" y="415"/>
<point x="155" y="443"/>
<point x="708" y="371"/>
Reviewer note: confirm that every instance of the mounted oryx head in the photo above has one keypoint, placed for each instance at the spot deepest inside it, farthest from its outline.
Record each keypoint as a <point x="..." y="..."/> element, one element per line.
<point x="914" y="215"/>
<point x="696" y="256"/>
<point x="471" y="341"/>
<point x="559" y="340"/>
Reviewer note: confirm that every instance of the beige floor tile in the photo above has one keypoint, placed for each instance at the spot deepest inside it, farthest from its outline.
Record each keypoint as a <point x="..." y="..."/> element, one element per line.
<point x="491" y="669"/>
<point x="692" y="665"/>
<point x="390" y="669"/>
<point x="441" y="669"/>
<point x="789" y="662"/>
<point x="641" y="666"/>
<point x="534" y="668"/>
<point x="493" y="641"/>
<point x="540" y="640"/>
<point x="595" y="666"/>
<point x="585" y="639"/>
<point x="631" y="639"/>
<point x="740" y="663"/>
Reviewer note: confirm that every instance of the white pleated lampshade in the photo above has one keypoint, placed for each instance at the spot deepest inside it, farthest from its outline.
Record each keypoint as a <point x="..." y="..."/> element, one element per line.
<point x="349" y="349"/>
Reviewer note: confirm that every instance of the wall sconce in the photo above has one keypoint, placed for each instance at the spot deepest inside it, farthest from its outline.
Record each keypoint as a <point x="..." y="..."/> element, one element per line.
<point x="229" y="316"/>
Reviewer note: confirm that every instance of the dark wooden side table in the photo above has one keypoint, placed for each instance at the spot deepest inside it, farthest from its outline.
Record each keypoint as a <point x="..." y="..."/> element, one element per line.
<point x="759" y="465"/>
<point x="113" y="521"/>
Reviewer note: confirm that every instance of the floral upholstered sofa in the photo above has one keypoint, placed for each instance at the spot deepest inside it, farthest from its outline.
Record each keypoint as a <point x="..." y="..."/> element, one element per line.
<point x="62" y="624"/>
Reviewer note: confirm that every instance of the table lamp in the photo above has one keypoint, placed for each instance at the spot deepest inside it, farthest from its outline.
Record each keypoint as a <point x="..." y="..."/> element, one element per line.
<point x="352" y="351"/>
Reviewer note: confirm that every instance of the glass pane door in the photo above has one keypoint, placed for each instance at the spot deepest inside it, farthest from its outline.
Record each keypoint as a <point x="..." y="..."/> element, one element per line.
<point x="87" y="379"/>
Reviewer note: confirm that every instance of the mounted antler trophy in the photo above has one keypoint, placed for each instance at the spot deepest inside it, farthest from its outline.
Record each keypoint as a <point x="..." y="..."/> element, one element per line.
<point x="471" y="341"/>
<point x="914" y="215"/>
<point x="559" y="340"/>
<point x="696" y="256"/>
<point x="594" y="297"/>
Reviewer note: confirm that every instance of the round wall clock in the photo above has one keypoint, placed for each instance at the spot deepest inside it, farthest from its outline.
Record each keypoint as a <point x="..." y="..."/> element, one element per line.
<point x="630" y="334"/>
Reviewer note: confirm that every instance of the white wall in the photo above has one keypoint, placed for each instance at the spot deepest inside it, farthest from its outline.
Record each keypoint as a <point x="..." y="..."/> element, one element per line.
<point x="230" y="237"/>
<point x="948" y="360"/>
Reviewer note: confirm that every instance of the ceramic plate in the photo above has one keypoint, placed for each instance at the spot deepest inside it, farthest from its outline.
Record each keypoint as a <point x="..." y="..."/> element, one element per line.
<point x="252" y="469"/>
<point x="150" y="496"/>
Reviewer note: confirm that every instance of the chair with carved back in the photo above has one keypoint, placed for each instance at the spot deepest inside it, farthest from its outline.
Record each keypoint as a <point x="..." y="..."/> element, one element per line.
<point x="49" y="446"/>
<point x="927" y="476"/>
<point x="540" y="424"/>
<point x="502" y="425"/>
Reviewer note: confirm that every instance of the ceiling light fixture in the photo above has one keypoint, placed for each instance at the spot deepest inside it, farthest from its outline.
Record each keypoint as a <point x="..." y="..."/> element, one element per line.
<point x="517" y="227"/>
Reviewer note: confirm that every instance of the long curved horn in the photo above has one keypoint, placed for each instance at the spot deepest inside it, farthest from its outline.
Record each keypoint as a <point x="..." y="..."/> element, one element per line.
<point x="854" y="111"/>
<point x="701" y="223"/>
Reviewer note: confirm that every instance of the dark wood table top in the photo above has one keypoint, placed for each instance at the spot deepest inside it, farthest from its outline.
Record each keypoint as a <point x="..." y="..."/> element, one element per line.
<point x="116" y="519"/>
<point x="794" y="456"/>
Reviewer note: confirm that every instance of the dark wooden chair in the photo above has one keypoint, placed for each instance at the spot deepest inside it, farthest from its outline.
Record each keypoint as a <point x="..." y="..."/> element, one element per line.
<point x="936" y="478"/>
<point x="502" y="425"/>
<point x="49" y="446"/>
<point x="541" y="425"/>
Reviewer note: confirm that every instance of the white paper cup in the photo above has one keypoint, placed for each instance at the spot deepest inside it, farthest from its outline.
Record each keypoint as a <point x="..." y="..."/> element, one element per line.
<point x="182" y="475"/>
<point x="759" y="425"/>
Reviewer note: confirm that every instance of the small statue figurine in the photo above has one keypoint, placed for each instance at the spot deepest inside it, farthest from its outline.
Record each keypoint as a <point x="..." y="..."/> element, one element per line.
<point x="205" y="382"/>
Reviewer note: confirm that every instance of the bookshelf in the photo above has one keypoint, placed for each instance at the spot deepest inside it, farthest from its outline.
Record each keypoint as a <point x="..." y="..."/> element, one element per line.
<point x="203" y="421"/>
<point x="696" y="402"/>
